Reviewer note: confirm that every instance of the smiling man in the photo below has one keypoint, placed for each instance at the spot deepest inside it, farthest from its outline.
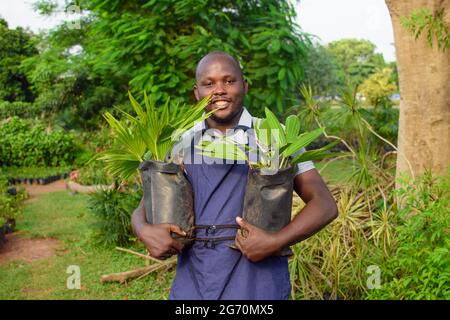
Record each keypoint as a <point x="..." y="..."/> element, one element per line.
<point x="210" y="269"/>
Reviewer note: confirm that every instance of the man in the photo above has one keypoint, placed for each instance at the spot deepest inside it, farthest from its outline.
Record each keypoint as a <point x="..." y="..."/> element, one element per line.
<point x="211" y="269"/>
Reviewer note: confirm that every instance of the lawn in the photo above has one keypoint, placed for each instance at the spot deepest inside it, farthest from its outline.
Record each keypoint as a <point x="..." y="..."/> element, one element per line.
<point x="64" y="217"/>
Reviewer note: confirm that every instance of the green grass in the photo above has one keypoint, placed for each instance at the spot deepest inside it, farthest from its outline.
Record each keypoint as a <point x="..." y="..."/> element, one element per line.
<point x="65" y="217"/>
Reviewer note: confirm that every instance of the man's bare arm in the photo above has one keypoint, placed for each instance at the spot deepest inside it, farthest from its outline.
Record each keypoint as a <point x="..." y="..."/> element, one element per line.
<point x="320" y="209"/>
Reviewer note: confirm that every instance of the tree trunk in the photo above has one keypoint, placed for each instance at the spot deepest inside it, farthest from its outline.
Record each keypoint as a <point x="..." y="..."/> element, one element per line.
<point x="424" y="75"/>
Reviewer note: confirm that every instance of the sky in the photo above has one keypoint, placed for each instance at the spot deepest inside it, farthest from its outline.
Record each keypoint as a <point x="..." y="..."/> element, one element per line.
<point x="328" y="19"/>
<point x="332" y="20"/>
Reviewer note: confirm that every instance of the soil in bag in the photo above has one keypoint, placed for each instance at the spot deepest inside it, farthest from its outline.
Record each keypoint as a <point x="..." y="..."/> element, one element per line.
<point x="268" y="201"/>
<point x="168" y="197"/>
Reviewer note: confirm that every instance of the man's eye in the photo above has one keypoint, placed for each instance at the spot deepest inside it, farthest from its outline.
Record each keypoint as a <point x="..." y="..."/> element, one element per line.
<point x="208" y="84"/>
<point x="230" y="81"/>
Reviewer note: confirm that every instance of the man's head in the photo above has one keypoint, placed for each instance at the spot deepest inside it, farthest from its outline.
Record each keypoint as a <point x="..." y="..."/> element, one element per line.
<point x="218" y="74"/>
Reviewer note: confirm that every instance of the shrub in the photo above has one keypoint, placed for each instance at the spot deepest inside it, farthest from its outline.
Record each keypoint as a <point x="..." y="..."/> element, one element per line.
<point x="10" y="207"/>
<point x="93" y="173"/>
<point x="18" y="108"/>
<point x="24" y="143"/>
<point x="113" y="210"/>
<point x="419" y="265"/>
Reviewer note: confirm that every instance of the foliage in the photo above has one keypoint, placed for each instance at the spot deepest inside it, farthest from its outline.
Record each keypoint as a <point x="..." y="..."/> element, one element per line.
<point x="348" y="120"/>
<point x="32" y="172"/>
<point x="433" y="24"/>
<point x="322" y="71"/>
<point x="113" y="209"/>
<point x="10" y="205"/>
<point x="377" y="88"/>
<point x="277" y="146"/>
<point x="93" y="173"/>
<point x="383" y="120"/>
<point x="357" y="58"/>
<point x="155" y="45"/>
<point x="418" y="266"/>
<point x="330" y="264"/>
<point x="15" y="46"/>
<point x="18" y="108"/>
<point x="24" y="143"/>
<point x="149" y="135"/>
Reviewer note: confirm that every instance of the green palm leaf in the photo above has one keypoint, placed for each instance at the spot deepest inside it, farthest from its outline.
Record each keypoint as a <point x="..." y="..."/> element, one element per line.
<point x="292" y="128"/>
<point x="149" y="135"/>
<point x="319" y="154"/>
<point x="276" y="128"/>
<point x="302" y="141"/>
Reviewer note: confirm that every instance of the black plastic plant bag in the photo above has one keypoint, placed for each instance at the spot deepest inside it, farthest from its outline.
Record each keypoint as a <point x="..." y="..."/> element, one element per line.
<point x="168" y="197"/>
<point x="268" y="201"/>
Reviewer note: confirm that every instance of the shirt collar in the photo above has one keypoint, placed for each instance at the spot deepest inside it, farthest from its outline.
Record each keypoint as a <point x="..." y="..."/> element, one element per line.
<point x="244" y="121"/>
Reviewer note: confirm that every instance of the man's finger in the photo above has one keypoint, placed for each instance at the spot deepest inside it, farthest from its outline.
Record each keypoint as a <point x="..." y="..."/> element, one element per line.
<point x="238" y="244"/>
<point x="242" y="223"/>
<point x="176" y="229"/>
<point x="176" y="245"/>
<point x="239" y="238"/>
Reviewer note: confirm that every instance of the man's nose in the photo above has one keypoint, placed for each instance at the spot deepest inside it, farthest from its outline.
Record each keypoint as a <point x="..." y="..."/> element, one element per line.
<point x="219" y="89"/>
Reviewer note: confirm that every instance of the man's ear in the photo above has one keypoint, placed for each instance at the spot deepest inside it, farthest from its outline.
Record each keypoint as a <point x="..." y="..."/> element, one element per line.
<point x="197" y="96"/>
<point x="245" y="86"/>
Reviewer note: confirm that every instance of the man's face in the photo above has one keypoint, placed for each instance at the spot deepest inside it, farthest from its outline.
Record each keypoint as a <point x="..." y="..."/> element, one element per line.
<point x="219" y="77"/>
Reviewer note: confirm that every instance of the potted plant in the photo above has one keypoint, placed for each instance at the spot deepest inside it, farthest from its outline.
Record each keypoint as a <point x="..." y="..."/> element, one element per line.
<point x="271" y="159"/>
<point x="143" y="142"/>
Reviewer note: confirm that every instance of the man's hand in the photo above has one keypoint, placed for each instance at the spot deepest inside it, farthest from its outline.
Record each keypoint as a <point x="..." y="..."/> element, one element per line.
<point x="157" y="239"/>
<point x="255" y="243"/>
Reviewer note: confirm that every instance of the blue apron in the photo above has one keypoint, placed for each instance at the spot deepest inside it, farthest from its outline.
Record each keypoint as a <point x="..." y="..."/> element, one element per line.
<point x="213" y="270"/>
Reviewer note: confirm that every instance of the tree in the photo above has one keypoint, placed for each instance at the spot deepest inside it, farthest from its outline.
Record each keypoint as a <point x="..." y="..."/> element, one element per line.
<point x="424" y="76"/>
<point x="357" y="58"/>
<point x="155" y="45"/>
<point x="15" y="46"/>
<point x="378" y="87"/>
<point x="322" y="72"/>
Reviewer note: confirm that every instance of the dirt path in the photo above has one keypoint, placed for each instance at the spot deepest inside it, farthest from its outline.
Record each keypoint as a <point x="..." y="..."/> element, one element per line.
<point x="37" y="189"/>
<point x="19" y="248"/>
<point x="28" y="250"/>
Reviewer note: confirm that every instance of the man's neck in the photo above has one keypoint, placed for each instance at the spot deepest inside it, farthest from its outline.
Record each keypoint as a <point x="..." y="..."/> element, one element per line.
<point x="223" y="126"/>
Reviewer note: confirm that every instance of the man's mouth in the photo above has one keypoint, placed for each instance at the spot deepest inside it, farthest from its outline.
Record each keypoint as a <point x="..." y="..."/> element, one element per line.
<point x="220" y="104"/>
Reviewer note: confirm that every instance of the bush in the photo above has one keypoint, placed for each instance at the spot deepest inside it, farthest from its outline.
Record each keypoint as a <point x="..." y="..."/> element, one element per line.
<point x="23" y="143"/>
<point x="384" y="120"/>
<point x="93" y="173"/>
<point x="9" y="204"/>
<point x="18" y="108"/>
<point x="113" y="210"/>
<point x="418" y="268"/>
<point x="33" y="172"/>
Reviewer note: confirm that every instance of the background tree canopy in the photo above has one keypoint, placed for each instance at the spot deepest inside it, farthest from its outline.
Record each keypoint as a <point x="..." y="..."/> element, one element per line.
<point x="15" y="46"/>
<point x="357" y="58"/>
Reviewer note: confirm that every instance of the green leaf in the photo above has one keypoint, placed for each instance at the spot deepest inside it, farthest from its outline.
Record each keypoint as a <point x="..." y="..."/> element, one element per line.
<point x="302" y="141"/>
<point x="276" y="128"/>
<point x="281" y="74"/>
<point x="292" y="128"/>
<point x="320" y="154"/>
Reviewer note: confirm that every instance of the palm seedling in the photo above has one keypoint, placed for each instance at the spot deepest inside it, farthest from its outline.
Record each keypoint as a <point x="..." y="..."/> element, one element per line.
<point x="268" y="194"/>
<point x="144" y="141"/>
<point x="149" y="135"/>
<point x="277" y="146"/>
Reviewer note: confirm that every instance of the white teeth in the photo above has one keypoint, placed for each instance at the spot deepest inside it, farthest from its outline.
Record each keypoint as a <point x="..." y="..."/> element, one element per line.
<point x="221" y="103"/>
